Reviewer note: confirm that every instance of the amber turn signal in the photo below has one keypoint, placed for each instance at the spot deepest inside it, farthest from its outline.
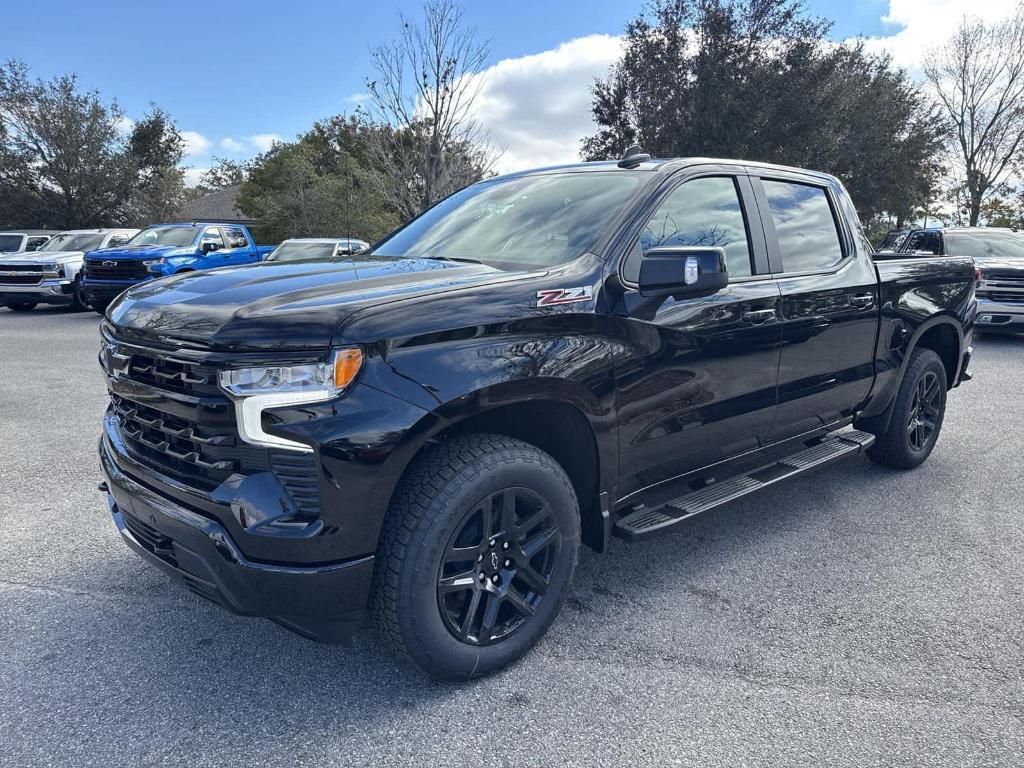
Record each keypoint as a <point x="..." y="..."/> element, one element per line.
<point x="347" y="363"/>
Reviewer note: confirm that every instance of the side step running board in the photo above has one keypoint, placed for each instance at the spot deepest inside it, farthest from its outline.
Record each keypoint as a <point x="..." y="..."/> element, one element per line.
<point x="646" y="522"/>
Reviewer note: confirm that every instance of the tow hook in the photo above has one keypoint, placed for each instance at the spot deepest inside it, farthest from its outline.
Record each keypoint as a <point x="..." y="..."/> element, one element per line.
<point x="102" y="486"/>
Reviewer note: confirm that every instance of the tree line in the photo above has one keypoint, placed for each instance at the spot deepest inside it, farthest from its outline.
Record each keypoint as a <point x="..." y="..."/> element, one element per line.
<point x="754" y="79"/>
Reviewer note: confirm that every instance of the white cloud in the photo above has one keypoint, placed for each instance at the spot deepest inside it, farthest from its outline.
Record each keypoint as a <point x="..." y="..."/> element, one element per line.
<point x="231" y="145"/>
<point x="195" y="143"/>
<point x="124" y="125"/>
<point x="193" y="176"/>
<point x="264" y="141"/>
<point x="537" y="108"/>
<point x="923" y="24"/>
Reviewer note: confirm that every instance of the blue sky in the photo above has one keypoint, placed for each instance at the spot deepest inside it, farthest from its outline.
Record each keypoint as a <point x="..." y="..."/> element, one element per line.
<point x="236" y="74"/>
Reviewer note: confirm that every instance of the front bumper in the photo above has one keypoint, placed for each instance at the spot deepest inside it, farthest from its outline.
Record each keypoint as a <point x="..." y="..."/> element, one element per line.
<point x="55" y="291"/>
<point x="995" y="317"/>
<point x="323" y="602"/>
<point x="105" y="291"/>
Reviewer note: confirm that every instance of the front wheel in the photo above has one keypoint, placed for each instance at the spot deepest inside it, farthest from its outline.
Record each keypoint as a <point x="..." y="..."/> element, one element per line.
<point x="21" y="306"/>
<point x="917" y="415"/>
<point x="78" y="302"/>
<point x="476" y="556"/>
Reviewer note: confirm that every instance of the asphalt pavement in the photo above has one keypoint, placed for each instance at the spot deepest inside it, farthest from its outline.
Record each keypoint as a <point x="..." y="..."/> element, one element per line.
<point x="855" y="617"/>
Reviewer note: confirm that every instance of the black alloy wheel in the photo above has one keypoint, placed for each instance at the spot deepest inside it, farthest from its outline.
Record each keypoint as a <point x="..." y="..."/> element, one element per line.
<point x="497" y="566"/>
<point x="924" y="411"/>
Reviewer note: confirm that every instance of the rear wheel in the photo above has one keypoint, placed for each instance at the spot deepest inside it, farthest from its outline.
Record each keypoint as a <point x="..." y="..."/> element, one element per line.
<point x="22" y="306"/>
<point x="917" y="415"/>
<point x="477" y="555"/>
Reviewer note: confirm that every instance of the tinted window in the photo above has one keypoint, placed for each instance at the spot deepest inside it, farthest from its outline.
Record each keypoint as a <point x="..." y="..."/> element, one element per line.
<point x="177" y="236"/>
<point x="927" y="242"/>
<point x="212" y="235"/>
<point x="34" y="243"/>
<point x="525" y="221"/>
<point x="805" y="226"/>
<point x="10" y="242"/>
<point x="699" y="212"/>
<point x="299" y="251"/>
<point x="236" y="238"/>
<point x="1003" y="245"/>
<point x="74" y="241"/>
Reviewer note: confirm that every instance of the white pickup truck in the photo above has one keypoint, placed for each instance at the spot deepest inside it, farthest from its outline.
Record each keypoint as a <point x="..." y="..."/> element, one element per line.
<point x="50" y="275"/>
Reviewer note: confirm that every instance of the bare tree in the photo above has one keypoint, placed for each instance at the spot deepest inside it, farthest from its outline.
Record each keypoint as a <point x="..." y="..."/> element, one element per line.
<point x="428" y="143"/>
<point x="979" y="78"/>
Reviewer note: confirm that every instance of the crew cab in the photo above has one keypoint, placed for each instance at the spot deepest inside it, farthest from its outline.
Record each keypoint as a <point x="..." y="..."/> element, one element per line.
<point x="27" y="240"/>
<point x="998" y="254"/>
<point x="307" y="248"/>
<point x="426" y="433"/>
<point x="52" y="274"/>
<point x="166" y="249"/>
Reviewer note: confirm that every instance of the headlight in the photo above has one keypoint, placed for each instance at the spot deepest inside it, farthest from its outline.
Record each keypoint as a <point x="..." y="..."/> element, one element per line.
<point x="56" y="270"/>
<point x="256" y="389"/>
<point x="151" y="263"/>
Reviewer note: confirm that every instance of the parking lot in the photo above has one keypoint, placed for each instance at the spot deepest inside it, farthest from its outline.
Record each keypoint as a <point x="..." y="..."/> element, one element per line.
<point x="860" y="616"/>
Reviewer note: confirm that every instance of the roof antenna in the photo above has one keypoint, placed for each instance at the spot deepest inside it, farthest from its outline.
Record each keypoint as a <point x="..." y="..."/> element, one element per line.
<point x="633" y="157"/>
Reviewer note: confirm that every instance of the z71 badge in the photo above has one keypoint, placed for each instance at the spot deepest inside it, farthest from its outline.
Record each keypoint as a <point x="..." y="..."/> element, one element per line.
<point x="564" y="296"/>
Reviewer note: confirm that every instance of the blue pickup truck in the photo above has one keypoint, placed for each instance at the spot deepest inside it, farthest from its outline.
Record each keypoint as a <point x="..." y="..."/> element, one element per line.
<point x="166" y="249"/>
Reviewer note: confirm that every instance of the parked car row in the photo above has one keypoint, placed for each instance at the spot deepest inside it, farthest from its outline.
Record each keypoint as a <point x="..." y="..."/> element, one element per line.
<point x="998" y="254"/>
<point x="90" y="267"/>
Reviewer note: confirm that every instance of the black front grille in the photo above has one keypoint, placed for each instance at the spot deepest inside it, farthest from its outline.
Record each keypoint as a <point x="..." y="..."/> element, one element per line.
<point x="1004" y="296"/>
<point x="170" y="374"/>
<point x="26" y="279"/>
<point x="111" y="269"/>
<point x="202" y="456"/>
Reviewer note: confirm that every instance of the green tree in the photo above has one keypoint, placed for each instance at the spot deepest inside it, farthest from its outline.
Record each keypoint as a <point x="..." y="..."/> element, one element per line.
<point x="318" y="186"/>
<point x="66" y="161"/>
<point x="759" y="80"/>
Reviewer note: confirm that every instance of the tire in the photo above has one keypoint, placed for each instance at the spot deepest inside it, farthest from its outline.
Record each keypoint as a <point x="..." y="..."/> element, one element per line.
<point x="22" y="306"/>
<point x="494" y="605"/>
<point x="78" y="302"/>
<point x="918" y="411"/>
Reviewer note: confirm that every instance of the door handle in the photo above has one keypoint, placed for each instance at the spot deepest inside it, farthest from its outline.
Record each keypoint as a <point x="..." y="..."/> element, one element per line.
<point x="863" y="301"/>
<point x="759" y="316"/>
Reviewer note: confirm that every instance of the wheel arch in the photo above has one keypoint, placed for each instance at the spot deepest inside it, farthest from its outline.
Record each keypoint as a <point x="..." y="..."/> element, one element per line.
<point x="561" y="426"/>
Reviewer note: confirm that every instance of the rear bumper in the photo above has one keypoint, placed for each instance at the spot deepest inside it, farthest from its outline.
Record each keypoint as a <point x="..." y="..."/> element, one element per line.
<point x="323" y="602"/>
<point x="45" y="292"/>
<point x="994" y="316"/>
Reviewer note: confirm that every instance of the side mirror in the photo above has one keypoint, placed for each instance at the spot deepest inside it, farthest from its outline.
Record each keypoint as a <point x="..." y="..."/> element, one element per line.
<point x="209" y="247"/>
<point x="683" y="271"/>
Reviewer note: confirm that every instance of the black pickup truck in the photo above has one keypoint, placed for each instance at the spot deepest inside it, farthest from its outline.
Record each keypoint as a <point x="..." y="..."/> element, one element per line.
<point x="426" y="433"/>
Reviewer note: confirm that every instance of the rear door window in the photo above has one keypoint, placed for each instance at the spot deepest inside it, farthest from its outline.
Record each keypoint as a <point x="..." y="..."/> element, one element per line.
<point x="805" y="225"/>
<point x="236" y="238"/>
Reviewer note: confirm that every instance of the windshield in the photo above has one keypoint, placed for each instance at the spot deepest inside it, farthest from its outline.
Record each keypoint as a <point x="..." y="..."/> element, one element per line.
<point x="177" y="236"/>
<point x="72" y="241"/>
<point x="302" y="251"/>
<point x="10" y="242"/>
<point x="530" y="221"/>
<point x="1003" y="245"/>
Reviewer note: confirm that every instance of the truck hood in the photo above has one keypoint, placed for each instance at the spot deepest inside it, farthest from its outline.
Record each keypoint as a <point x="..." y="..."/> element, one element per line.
<point x="45" y="257"/>
<point x="123" y="252"/>
<point x="291" y="305"/>
<point x="1000" y="264"/>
